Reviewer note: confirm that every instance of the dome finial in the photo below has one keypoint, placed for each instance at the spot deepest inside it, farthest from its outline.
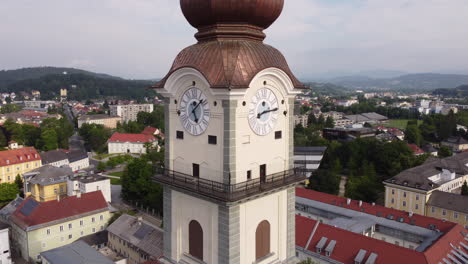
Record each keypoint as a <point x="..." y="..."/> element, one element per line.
<point x="232" y="19"/>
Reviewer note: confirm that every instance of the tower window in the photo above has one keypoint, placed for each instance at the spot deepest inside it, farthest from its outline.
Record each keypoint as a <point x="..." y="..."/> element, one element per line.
<point x="278" y="134"/>
<point x="249" y="175"/>
<point x="196" y="170"/>
<point x="212" y="140"/>
<point x="262" y="240"/>
<point x="180" y="134"/>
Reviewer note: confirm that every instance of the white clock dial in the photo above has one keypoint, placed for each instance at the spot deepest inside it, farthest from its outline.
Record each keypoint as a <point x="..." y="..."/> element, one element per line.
<point x="194" y="111"/>
<point x="263" y="111"/>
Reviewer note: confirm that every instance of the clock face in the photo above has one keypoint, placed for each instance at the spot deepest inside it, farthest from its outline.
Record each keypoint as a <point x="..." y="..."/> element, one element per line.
<point x="263" y="112"/>
<point x="194" y="111"/>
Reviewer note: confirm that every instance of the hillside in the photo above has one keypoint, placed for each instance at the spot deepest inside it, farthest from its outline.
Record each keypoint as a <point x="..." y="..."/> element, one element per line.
<point x="460" y="91"/>
<point x="10" y="76"/>
<point x="419" y="81"/>
<point x="87" y="86"/>
<point x="327" y="89"/>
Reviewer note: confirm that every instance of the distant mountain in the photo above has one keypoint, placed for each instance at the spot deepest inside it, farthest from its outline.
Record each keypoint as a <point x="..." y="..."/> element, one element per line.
<point x="418" y="81"/>
<point x="327" y="89"/>
<point x="10" y="76"/>
<point x="460" y="91"/>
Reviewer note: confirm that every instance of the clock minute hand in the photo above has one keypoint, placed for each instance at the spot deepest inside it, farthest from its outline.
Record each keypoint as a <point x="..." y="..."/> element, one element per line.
<point x="195" y="108"/>
<point x="267" y="111"/>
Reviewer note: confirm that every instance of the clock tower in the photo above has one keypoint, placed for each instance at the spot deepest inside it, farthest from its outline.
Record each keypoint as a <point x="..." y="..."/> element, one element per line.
<point x="229" y="178"/>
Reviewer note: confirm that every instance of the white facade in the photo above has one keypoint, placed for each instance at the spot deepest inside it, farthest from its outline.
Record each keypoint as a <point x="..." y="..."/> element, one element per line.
<point x="126" y="147"/>
<point x="83" y="184"/>
<point x="130" y="112"/>
<point x="5" y="257"/>
<point x="79" y="164"/>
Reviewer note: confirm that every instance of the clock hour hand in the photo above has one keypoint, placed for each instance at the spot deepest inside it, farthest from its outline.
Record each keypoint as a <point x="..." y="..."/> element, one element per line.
<point x="195" y="113"/>
<point x="267" y="111"/>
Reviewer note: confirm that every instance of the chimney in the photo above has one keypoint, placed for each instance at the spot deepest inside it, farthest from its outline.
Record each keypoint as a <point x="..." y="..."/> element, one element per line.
<point x="348" y="201"/>
<point x="139" y="219"/>
<point x="360" y="203"/>
<point x="373" y="204"/>
<point x="58" y="198"/>
<point x="410" y="214"/>
<point x="78" y="194"/>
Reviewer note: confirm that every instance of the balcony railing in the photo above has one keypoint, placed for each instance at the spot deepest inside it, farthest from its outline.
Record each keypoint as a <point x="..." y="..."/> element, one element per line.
<point x="229" y="192"/>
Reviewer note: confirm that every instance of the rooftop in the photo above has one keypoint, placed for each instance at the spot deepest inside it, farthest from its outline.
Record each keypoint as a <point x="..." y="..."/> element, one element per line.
<point x="32" y="213"/>
<point x="134" y="138"/>
<point x="139" y="233"/>
<point x="97" y="117"/>
<point x="450" y="201"/>
<point x="53" y="156"/>
<point x="48" y="174"/>
<point x="75" y="253"/>
<point x="16" y="156"/>
<point x="96" y="238"/>
<point x="456" y="140"/>
<point x="89" y="178"/>
<point x="309" y="150"/>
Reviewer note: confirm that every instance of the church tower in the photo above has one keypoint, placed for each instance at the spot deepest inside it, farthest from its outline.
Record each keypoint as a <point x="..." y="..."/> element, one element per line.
<point x="229" y="178"/>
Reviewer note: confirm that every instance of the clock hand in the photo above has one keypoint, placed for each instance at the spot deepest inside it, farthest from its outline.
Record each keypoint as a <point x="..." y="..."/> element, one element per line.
<point x="267" y="111"/>
<point x="195" y="113"/>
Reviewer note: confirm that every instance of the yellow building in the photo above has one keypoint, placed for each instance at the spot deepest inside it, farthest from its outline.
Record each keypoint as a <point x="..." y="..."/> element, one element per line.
<point x="431" y="189"/>
<point x="17" y="162"/>
<point x="105" y="120"/>
<point x="47" y="182"/>
<point x="41" y="226"/>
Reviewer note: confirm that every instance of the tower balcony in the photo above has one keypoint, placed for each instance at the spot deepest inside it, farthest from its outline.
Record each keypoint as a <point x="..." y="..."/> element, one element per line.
<point x="229" y="192"/>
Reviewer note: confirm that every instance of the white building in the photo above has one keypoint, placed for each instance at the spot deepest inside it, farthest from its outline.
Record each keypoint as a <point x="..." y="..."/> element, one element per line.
<point x="129" y="112"/>
<point x="129" y="143"/>
<point x="76" y="160"/>
<point x="89" y="183"/>
<point x="5" y="257"/>
<point x="308" y="158"/>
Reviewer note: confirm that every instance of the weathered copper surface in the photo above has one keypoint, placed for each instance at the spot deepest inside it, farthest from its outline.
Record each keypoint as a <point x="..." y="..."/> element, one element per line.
<point x="230" y="63"/>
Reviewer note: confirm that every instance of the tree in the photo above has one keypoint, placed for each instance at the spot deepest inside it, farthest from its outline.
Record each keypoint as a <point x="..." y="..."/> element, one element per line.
<point x="3" y="139"/>
<point x="307" y="261"/>
<point x="464" y="190"/>
<point x="413" y="135"/>
<point x="444" y="151"/>
<point x="8" y="192"/>
<point x="19" y="184"/>
<point x="8" y="100"/>
<point x="49" y="139"/>
<point x="329" y="123"/>
<point x="101" y="166"/>
<point x="106" y="104"/>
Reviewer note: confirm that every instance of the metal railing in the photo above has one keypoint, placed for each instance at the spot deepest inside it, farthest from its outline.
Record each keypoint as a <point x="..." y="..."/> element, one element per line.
<point x="229" y="192"/>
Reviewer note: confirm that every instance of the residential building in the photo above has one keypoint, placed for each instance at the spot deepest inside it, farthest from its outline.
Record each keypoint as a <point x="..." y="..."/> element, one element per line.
<point x="308" y="158"/>
<point x="129" y="112"/>
<point x="5" y="255"/>
<point x="101" y="119"/>
<point x="130" y="143"/>
<point x="17" y="162"/>
<point x="97" y="240"/>
<point x="39" y="104"/>
<point x="9" y="209"/>
<point x="75" y="253"/>
<point x="153" y="132"/>
<point x="417" y="151"/>
<point x="346" y="103"/>
<point x="42" y="226"/>
<point x="301" y="119"/>
<point x="333" y="114"/>
<point x="457" y="144"/>
<point x="446" y="110"/>
<point x="76" y="160"/>
<point x="46" y="183"/>
<point x="332" y="229"/>
<point x="89" y="183"/>
<point x="448" y="206"/>
<point x="347" y="134"/>
<point x="26" y="116"/>
<point x="135" y="239"/>
<point x="342" y="122"/>
<point x="428" y="148"/>
<point x="371" y="118"/>
<point x="411" y="189"/>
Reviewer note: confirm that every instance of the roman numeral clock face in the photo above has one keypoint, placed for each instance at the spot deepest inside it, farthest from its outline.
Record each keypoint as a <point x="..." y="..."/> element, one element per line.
<point x="263" y="111"/>
<point x="194" y="111"/>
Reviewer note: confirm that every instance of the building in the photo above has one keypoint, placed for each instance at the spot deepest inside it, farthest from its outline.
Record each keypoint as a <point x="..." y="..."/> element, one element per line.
<point x="101" y="119"/>
<point x="153" y="132"/>
<point x="411" y="189"/>
<point x="417" y="151"/>
<point x="97" y="240"/>
<point x="46" y="183"/>
<point x="130" y="143"/>
<point x="75" y="253"/>
<point x="348" y="134"/>
<point x="17" y="162"/>
<point x="25" y="116"/>
<point x="308" y="158"/>
<point x="42" y="226"/>
<point x="135" y="239"/>
<point x="129" y="112"/>
<point x="428" y="148"/>
<point x="39" y="104"/>
<point x="302" y="120"/>
<point x="448" y="206"/>
<point x="371" y="118"/>
<point x="346" y="103"/>
<point x="457" y="144"/>
<point x="342" y="122"/>
<point x="5" y="255"/>
<point x="76" y="160"/>
<point x="229" y="178"/>
<point x="332" y="229"/>
<point x="89" y="183"/>
<point x="9" y="209"/>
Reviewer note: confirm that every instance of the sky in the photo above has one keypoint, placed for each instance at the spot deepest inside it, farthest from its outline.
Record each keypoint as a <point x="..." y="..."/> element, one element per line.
<point x="139" y="39"/>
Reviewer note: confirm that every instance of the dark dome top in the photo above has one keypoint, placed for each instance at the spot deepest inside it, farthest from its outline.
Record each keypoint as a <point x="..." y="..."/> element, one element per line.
<point x="259" y="13"/>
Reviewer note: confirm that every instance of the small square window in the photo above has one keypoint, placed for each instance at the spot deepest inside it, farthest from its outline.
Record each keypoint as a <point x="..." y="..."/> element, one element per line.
<point x="212" y="140"/>
<point x="70" y="236"/>
<point x="278" y="134"/>
<point x="249" y="175"/>
<point x="180" y="134"/>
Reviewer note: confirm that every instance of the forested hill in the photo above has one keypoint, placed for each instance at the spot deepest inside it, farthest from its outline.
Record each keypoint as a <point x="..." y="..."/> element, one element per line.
<point x="460" y="91"/>
<point x="11" y="76"/>
<point x="85" y="87"/>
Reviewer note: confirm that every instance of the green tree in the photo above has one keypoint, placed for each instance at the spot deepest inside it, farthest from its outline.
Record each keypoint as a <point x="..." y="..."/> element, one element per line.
<point x="464" y="189"/>
<point x="3" y="139"/>
<point x="95" y="137"/>
<point x="8" y="191"/>
<point x="101" y="166"/>
<point x="329" y="123"/>
<point x="49" y="139"/>
<point x="307" y="261"/>
<point x="444" y="151"/>
<point x="413" y="135"/>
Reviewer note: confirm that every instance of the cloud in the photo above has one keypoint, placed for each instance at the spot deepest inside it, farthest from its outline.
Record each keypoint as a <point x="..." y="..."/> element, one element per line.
<point x="140" y="38"/>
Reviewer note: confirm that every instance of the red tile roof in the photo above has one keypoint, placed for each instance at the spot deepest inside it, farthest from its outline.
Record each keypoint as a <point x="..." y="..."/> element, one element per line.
<point x="70" y="206"/>
<point x="149" y="130"/>
<point x="416" y="150"/>
<point x="419" y="220"/>
<point x="348" y="244"/>
<point x="17" y="156"/>
<point x="136" y="138"/>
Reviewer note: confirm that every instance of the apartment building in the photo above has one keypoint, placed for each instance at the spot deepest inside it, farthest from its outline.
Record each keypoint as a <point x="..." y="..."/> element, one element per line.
<point x="332" y="229"/>
<point x="135" y="239"/>
<point x="412" y="189"/>
<point x="129" y="112"/>
<point x="302" y="120"/>
<point x="129" y="143"/>
<point x="89" y="183"/>
<point x="46" y="183"/>
<point x="448" y="206"/>
<point x="76" y="160"/>
<point x="16" y="162"/>
<point x="42" y="226"/>
<point x="105" y="120"/>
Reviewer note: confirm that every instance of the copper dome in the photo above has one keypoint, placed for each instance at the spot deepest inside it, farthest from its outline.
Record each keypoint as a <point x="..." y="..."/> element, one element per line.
<point x="260" y="13"/>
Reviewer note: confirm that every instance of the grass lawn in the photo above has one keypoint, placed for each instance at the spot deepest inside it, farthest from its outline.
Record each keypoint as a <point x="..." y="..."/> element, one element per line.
<point x="400" y="123"/>
<point x="103" y="156"/>
<point x="116" y="181"/>
<point x="117" y="174"/>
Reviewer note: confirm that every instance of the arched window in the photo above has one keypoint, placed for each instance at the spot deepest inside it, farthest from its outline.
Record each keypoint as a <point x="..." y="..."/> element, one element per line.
<point x="196" y="240"/>
<point x="262" y="240"/>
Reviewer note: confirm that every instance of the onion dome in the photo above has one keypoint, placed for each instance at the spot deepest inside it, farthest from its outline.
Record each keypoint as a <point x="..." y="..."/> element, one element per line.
<point x="231" y="18"/>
